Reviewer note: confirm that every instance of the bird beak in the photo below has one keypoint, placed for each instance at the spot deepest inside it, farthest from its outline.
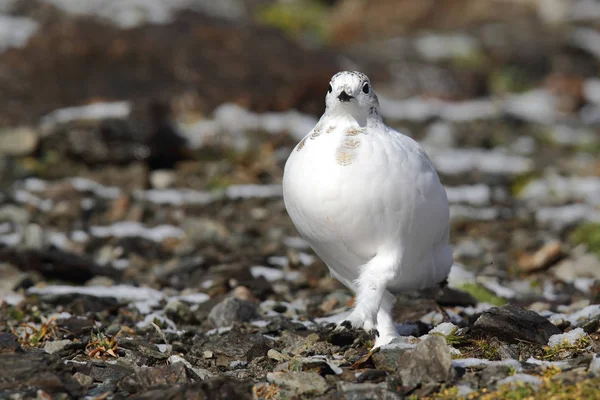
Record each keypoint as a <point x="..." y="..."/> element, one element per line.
<point x="344" y="97"/>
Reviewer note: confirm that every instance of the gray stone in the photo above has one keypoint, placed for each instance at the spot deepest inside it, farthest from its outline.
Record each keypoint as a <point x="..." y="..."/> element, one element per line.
<point x="492" y="374"/>
<point x="388" y="359"/>
<point x="299" y="383"/>
<point x="365" y="391"/>
<point x="179" y="311"/>
<point x="584" y="266"/>
<point x="429" y="362"/>
<point x="513" y="323"/>
<point x="147" y="377"/>
<point x="56" y="346"/>
<point x="84" y="380"/>
<point x="232" y="310"/>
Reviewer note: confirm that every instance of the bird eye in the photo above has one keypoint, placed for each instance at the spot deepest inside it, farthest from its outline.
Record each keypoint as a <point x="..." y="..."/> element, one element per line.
<point x="330" y="88"/>
<point x="366" y="88"/>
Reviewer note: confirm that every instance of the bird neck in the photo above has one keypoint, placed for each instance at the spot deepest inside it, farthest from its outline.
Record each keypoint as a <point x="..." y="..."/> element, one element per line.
<point x="356" y="118"/>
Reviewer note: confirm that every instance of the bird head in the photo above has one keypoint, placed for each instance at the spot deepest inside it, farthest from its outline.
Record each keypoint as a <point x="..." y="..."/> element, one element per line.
<point x="350" y="94"/>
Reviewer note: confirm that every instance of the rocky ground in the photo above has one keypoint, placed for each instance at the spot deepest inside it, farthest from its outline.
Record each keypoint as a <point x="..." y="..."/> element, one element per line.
<point x="145" y="251"/>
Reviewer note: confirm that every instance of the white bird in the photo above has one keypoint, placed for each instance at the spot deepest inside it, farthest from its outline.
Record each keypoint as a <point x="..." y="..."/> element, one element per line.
<point x="370" y="204"/>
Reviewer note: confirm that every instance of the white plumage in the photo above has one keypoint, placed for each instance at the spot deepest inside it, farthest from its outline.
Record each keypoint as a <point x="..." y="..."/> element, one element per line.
<point x="369" y="202"/>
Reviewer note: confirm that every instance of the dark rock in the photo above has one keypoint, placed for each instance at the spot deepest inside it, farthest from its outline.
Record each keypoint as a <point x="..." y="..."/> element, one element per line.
<point x="233" y="344"/>
<point x="371" y="375"/>
<point x="429" y="362"/>
<point x="77" y="326"/>
<point x="9" y="343"/>
<point x="232" y="310"/>
<point x="57" y="264"/>
<point x="512" y="324"/>
<point x="161" y="61"/>
<point x="212" y="389"/>
<point x="146" y="377"/>
<point x="449" y="297"/>
<point x="104" y="372"/>
<point x="81" y="304"/>
<point x="258" y="350"/>
<point x="142" y="353"/>
<point x="26" y="373"/>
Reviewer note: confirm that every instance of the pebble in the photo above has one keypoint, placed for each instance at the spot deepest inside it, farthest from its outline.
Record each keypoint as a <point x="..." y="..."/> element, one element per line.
<point x="52" y="347"/>
<point x="18" y="141"/>
<point x="513" y="323"/>
<point x="84" y="380"/>
<point x="540" y="259"/>
<point x="232" y="310"/>
<point x="299" y="383"/>
<point x="277" y="356"/>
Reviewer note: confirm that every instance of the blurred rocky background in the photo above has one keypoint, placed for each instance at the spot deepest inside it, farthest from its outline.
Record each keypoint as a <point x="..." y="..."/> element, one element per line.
<point x="144" y="247"/>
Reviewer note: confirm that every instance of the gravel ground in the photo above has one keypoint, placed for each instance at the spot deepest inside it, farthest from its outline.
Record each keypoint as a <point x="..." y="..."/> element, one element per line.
<point x="145" y="250"/>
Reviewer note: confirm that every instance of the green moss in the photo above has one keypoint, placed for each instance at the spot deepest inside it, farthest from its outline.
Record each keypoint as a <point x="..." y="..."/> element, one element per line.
<point x="551" y="388"/>
<point x="307" y="17"/>
<point x="476" y="60"/>
<point x="520" y="182"/>
<point x="481" y="294"/>
<point x="487" y="349"/>
<point x="588" y="234"/>
<point x="566" y="349"/>
<point x="453" y="338"/>
<point x="555" y="389"/>
<point x="509" y="80"/>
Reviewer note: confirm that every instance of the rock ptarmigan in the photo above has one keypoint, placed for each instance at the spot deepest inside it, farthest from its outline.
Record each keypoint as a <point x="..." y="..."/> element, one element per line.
<point x="369" y="202"/>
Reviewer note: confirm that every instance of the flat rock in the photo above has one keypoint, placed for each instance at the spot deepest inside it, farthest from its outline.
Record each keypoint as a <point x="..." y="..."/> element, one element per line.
<point x="211" y="389"/>
<point x="365" y="391"/>
<point x="513" y="323"/>
<point x="234" y="345"/>
<point x="57" y="264"/>
<point x="299" y="383"/>
<point x="147" y="377"/>
<point x="107" y="373"/>
<point x="26" y="373"/>
<point x="55" y="346"/>
<point x="388" y="359"/>
<point x="142" y="352"/>
<point x="232" y="310"/>
<point x="429" y="362"/>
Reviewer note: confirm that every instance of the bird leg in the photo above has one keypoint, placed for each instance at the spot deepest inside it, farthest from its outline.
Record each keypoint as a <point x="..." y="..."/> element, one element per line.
<point x="385" y="322"/>
<point x="370" y="292"/>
